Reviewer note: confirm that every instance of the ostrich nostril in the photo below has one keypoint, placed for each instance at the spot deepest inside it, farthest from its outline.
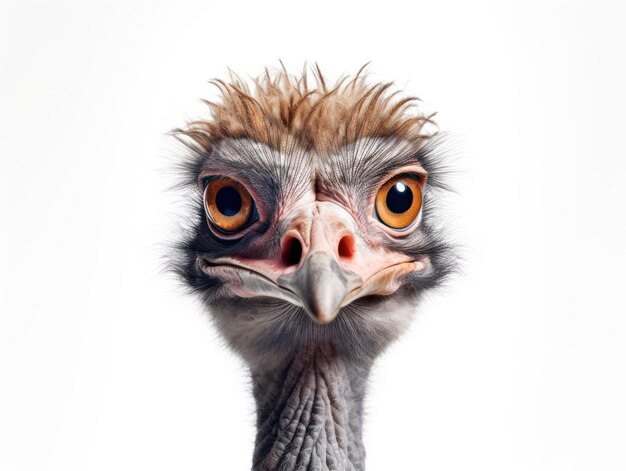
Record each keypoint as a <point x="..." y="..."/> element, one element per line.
<point x="346" y="246"/>
<point x="292" y="251"/>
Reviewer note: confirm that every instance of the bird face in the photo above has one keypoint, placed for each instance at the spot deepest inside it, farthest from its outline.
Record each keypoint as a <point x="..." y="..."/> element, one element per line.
<point x="314" y="214"/>
<point x="296" y="246"/>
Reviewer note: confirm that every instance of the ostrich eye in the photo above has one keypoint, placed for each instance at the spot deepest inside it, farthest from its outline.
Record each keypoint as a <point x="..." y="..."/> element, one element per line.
<point x="228" y="204"/>
<point x="398" y="202"/>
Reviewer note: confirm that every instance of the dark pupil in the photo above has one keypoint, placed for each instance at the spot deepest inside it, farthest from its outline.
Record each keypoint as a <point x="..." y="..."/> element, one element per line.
<point x="399" y="198"/>
<point x="228" y="201"/>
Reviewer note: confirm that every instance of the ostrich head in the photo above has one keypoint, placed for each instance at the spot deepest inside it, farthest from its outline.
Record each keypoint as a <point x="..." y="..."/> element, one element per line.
<point x="313" y="227"/>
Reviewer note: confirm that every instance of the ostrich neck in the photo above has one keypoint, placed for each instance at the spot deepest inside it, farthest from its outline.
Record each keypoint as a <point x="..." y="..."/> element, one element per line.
<point x="309" y="414"/>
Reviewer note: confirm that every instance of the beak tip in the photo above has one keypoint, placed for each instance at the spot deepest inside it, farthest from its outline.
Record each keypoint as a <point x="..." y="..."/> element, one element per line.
<point x="321" y="285"/>
<point x="322" y="309"/>
<point x="323" y="317"/>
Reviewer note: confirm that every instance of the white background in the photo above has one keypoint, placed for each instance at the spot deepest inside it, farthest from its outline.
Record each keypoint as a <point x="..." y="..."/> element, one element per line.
<point x="518" y="365"/>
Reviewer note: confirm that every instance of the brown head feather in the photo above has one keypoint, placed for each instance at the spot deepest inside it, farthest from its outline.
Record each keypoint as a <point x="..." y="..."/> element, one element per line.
<point x="278" y="108"/>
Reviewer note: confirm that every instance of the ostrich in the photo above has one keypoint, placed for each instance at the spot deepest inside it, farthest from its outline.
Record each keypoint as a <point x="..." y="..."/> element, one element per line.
<point x="311" y="243"/>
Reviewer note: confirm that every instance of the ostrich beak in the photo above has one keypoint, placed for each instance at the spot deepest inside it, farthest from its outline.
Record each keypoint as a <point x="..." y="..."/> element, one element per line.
<point x="326" y="277"/>
<point x="321" y="285"/>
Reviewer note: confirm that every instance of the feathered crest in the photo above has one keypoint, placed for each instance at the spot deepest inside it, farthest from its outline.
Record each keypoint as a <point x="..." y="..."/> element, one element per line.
<point x="278" y="108"/>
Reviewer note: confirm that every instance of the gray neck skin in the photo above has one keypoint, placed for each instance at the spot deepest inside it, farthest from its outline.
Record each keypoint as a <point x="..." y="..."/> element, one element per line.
<point x="309" y="414"/>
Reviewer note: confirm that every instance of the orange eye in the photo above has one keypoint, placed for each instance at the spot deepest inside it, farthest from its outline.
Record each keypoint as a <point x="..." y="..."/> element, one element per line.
<point x="398" y="202"/>
<point x="228" y="204"/>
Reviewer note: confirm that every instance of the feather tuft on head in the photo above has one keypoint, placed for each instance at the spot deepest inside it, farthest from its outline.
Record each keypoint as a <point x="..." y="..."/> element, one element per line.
<point x="278" y="108"/>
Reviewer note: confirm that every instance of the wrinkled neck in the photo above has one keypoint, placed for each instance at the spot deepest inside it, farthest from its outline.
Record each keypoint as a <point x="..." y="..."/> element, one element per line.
<point x="309" y="414"/>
